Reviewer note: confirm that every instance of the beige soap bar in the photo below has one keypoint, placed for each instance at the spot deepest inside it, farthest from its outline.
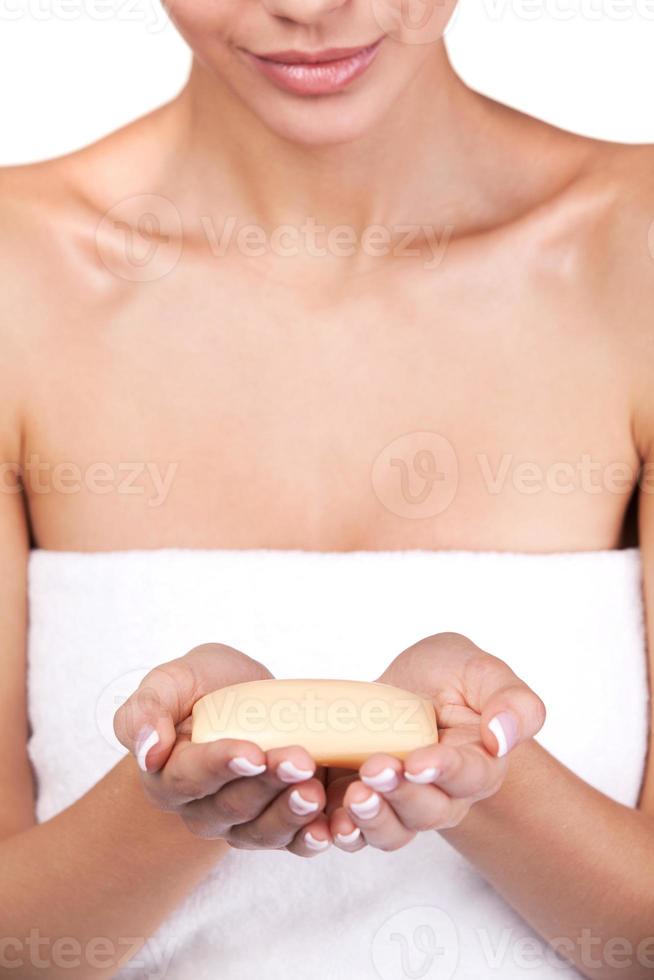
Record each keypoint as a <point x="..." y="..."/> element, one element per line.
<point x="340" y="723"/>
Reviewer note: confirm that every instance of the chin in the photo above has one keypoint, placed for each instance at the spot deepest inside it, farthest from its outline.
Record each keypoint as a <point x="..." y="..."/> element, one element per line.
<point x="325" y="121"/>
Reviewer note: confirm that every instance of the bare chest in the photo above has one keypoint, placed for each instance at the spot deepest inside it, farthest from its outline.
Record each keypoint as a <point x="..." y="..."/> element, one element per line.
<point x="420" y="415"/>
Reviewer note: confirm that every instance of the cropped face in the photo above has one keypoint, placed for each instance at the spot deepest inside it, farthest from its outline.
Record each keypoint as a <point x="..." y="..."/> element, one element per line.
<point x="314" y="71"/>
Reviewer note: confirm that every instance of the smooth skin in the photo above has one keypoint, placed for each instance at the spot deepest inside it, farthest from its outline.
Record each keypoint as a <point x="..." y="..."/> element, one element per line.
<point x="469" y="689"/>
<point x="268" y="384"/>
<point x="434" y="788"/>
<point x="229" y="790"/>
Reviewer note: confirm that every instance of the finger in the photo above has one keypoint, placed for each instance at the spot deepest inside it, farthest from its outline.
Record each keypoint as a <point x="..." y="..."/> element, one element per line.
<point x="510" y="711"/>
<point x="146" y="723"/>
<point x="238" y="802"/>
<point x="289" y="765"/>
<point x="345" y="833"/>
<point x="313" y="839"/>
<point x="466" y="771"/>
<point x="336" y="790"/>
<point x="375" y="818"/>
<point x="278" y="824"/>
<point x="418" y="805"/>
<point x="241" y="801"/>
<point x="195" y="771"/>
<point x="286" y="766"/>
<point x="381" y="772"/>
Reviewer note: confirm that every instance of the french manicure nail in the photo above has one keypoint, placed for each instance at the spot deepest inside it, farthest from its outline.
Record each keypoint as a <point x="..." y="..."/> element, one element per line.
<point x="288" y="773"/>
<point x="314" y="844"/>
<point x="243" y="767"/>
<point x="146" y="740"/>
<point x="299" y="805"/>
<point x="367" y="809"/>
<point x="349" y="838"/>
<point x="385" y="781"/>
<point x="505" y="730"/>
<point x="424" y="776"/>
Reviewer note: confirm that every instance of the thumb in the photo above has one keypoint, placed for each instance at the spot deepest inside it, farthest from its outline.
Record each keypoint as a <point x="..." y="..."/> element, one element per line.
<point x="511" y="714"/>
<point x="147" y="723"/>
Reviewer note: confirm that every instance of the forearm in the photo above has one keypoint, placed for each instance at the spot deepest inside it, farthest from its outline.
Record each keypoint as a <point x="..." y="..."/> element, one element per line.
<point x="576" y="865"/>
<point x="99" y="877"/>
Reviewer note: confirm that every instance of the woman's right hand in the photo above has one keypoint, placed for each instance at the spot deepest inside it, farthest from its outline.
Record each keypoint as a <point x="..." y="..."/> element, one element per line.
<point x="226" y="789"/>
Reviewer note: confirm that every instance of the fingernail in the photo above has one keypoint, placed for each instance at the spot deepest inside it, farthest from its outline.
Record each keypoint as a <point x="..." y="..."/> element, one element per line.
<point x="243" y="767"/>
<point x="424" y="776"/>
<point x="288" y="773"/>
<point x="314" y="844"/>
<point x="146" y="740"/>
<point x="367" y="809"/>
<point x="385" y="781"/>
<point x="349" y="838"/>
<point x="505" y="730"/>
<point x="299" y="805"/>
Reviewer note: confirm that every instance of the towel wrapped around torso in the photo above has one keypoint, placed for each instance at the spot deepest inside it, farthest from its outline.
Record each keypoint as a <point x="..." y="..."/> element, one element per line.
<point x="570" y="625"/>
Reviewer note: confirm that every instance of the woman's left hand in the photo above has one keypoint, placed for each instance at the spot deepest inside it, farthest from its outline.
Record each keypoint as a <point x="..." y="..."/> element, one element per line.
<point x="483" y="711"/>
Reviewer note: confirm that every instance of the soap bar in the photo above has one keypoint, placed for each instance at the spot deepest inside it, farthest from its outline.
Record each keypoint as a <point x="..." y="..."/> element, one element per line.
<point x="339" y="723"/>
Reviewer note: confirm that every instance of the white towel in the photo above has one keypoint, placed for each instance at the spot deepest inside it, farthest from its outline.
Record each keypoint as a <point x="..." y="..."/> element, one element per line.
<point x="570" y="625"/>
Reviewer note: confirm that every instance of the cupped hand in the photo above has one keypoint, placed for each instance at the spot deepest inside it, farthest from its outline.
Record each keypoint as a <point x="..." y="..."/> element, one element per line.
<point x="229" y="789"/>
<point x="483" y="711"/>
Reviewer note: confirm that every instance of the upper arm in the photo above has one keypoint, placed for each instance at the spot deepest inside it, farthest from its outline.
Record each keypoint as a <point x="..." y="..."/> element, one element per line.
<point x="16" y="791"/>
<point x="646" y="522"/>
<point x="34" y="249"/>
<point x="16" y="794"/>
<point x="630" y="286"/>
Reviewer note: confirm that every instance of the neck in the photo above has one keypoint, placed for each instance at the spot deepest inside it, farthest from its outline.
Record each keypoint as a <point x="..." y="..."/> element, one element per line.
<point x="441" y="151"/>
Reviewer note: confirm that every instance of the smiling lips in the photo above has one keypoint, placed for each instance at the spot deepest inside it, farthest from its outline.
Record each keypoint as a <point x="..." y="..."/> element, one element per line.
<point x="319" y="73"/>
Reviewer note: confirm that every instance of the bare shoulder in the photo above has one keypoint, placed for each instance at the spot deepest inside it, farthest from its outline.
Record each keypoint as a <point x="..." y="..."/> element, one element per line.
<point x="626" y="174"/>
<point x="620" y="179"/>
<point x="595" y="255"/>
<point x="33" y="214"/>
<point x="54" y="284"/>
<point x="43" y="244"/>
<point x="50" y="212"/>
<point x="37" y="215"/>
<point x="625" y="256"/>
<point x="606" y="212"/>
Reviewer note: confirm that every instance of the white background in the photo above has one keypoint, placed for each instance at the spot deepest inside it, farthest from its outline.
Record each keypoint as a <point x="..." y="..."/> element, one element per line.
<point x="72" y="70"/>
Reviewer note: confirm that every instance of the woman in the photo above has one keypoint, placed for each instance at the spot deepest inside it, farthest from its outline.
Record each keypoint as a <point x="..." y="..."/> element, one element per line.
<point x="331" y="321"/>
